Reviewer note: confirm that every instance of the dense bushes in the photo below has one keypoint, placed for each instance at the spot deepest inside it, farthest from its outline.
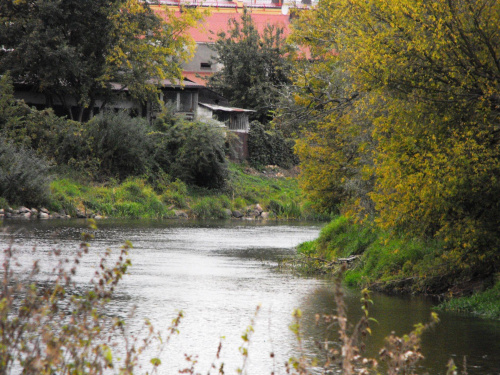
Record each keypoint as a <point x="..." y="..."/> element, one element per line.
<point x="269" y="148"/>
<point x="24" y="177"/>
<point x="192" y="151"/>
<point x="120" y="143"/>
<point x="112" y="145"/>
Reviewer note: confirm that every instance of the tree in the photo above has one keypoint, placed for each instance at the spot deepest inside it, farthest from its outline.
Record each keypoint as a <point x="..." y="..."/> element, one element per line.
<point x="425" y="77"/>
<point x="255" y="66"/>
<point x="74" y="50"/>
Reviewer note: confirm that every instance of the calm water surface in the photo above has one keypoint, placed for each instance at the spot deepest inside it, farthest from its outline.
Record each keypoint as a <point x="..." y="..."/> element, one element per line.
<point x="218" y="272"/>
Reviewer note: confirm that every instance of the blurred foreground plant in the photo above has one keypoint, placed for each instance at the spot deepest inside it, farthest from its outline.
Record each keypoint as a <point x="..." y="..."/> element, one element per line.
<point x="398" y="356"/>
<point x="49" y="326"/>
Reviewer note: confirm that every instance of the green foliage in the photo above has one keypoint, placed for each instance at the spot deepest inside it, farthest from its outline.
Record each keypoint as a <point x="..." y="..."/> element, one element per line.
<point x="74" y="51"/>
<point x="133" y="198"/>
<point x="192" y="152"/>
<point x="285" y="207"/>
<point x="24" y="178"/>
<point x="254" y="66"/>
<point x="61" y="141"/>
<point x="342" y="238"/>
<point x="401" y="122"/>
<point x="484" y="304"/>
<point x="269" y="147"/>
<point x="307" y="248"/>
<point x="385" y="258"/>
<point x="176" y="193"/>
<point x="121" y="144"/>
<point x="396" y="258"/>
<point x="210" y="208"/>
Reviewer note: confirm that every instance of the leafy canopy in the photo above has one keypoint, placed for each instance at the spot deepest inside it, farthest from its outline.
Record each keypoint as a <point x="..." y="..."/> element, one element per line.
<point x="399" y="117"/>
<point x="72" y="50"/>
<point x="255" y="65"/>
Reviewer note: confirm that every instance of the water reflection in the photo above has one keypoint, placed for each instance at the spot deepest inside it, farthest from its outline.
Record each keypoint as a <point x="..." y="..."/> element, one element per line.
<point x="218" y="272"/>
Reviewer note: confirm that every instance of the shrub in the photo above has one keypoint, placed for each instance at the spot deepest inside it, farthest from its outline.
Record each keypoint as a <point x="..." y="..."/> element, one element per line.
<point x="192" y="152"/>
<point x="269" y="148"/>
<point x="24" y="177"/>
<point x="121" y="144"/>
<point x="57" y="139"/>
<point x="210" y="208"/>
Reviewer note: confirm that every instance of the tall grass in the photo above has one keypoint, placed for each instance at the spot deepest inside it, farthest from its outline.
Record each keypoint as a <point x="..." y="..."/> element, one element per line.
<point x="484" y="304"/>
<point x="144" y="197"/>
<point x="133" y="198"/>
<point x="384" y="259"/>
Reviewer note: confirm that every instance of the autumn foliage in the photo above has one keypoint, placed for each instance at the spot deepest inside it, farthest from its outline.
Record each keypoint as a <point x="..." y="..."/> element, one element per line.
<point x="399" y="108"/>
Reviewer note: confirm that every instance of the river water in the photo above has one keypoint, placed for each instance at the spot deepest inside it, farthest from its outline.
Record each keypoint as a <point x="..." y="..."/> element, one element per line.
<point x="217" y="273"/>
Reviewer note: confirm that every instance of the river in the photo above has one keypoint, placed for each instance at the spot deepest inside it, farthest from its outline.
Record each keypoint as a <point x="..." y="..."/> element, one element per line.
<point x="218" y="272"/>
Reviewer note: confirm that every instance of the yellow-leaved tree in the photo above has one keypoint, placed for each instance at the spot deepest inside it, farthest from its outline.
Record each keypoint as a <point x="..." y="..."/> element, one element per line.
<point x="420" y="80"/>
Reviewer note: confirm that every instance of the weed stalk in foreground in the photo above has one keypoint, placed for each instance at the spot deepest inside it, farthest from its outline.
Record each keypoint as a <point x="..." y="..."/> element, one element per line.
<point x="398" y="356"/>
<point x="48" y="325"/>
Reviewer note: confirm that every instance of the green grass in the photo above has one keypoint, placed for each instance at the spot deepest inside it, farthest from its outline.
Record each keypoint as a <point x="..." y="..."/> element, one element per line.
<point x="385" y="258"/>
<point x="138" y="198"/>
<point x="395" y="264"/>
<point x="341" y="238"/>
<point x="484" y="304"/>
<point x="133" y="198"/>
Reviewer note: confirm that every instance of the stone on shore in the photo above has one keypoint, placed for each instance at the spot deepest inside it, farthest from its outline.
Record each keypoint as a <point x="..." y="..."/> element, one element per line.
<point x="237" y="214"/>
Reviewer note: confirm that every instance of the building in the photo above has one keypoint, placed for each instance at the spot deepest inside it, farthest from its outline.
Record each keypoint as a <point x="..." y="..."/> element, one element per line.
<point x="263" y="12"/>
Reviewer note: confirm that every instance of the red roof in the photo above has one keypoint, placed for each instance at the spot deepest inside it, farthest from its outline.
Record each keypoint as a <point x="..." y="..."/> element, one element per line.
<point x="218" y="21"/>
<point x="197" y="77"/>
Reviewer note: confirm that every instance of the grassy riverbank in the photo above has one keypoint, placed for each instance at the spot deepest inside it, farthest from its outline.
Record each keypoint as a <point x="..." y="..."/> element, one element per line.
<point x="383" y="261"/>
<point x="274" y="189"/>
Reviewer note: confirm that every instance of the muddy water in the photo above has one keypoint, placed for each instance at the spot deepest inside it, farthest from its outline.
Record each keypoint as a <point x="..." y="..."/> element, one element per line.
<point x="218" y="272"/>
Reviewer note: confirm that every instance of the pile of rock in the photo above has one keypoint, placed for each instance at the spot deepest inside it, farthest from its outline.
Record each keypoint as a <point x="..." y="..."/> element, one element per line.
<point x="30" y="213"/>
<point x="253" y="212"/>
<point x="42" y="213"/>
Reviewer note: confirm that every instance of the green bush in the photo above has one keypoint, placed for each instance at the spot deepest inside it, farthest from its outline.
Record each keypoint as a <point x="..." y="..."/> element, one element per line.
<point x="210" y="208"/>
<point x="484" y="304"/>
<point x="56" y="139"/>
<point x="193" y="152"/>
<point x="121" y="144"/>
<point x="24" y="177"/>
<point x="269" y="148"/>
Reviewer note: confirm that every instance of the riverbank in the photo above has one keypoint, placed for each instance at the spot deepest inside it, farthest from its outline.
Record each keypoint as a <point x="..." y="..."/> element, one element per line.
<point x="271" y="193"/>
<point x="385" y="262"/>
